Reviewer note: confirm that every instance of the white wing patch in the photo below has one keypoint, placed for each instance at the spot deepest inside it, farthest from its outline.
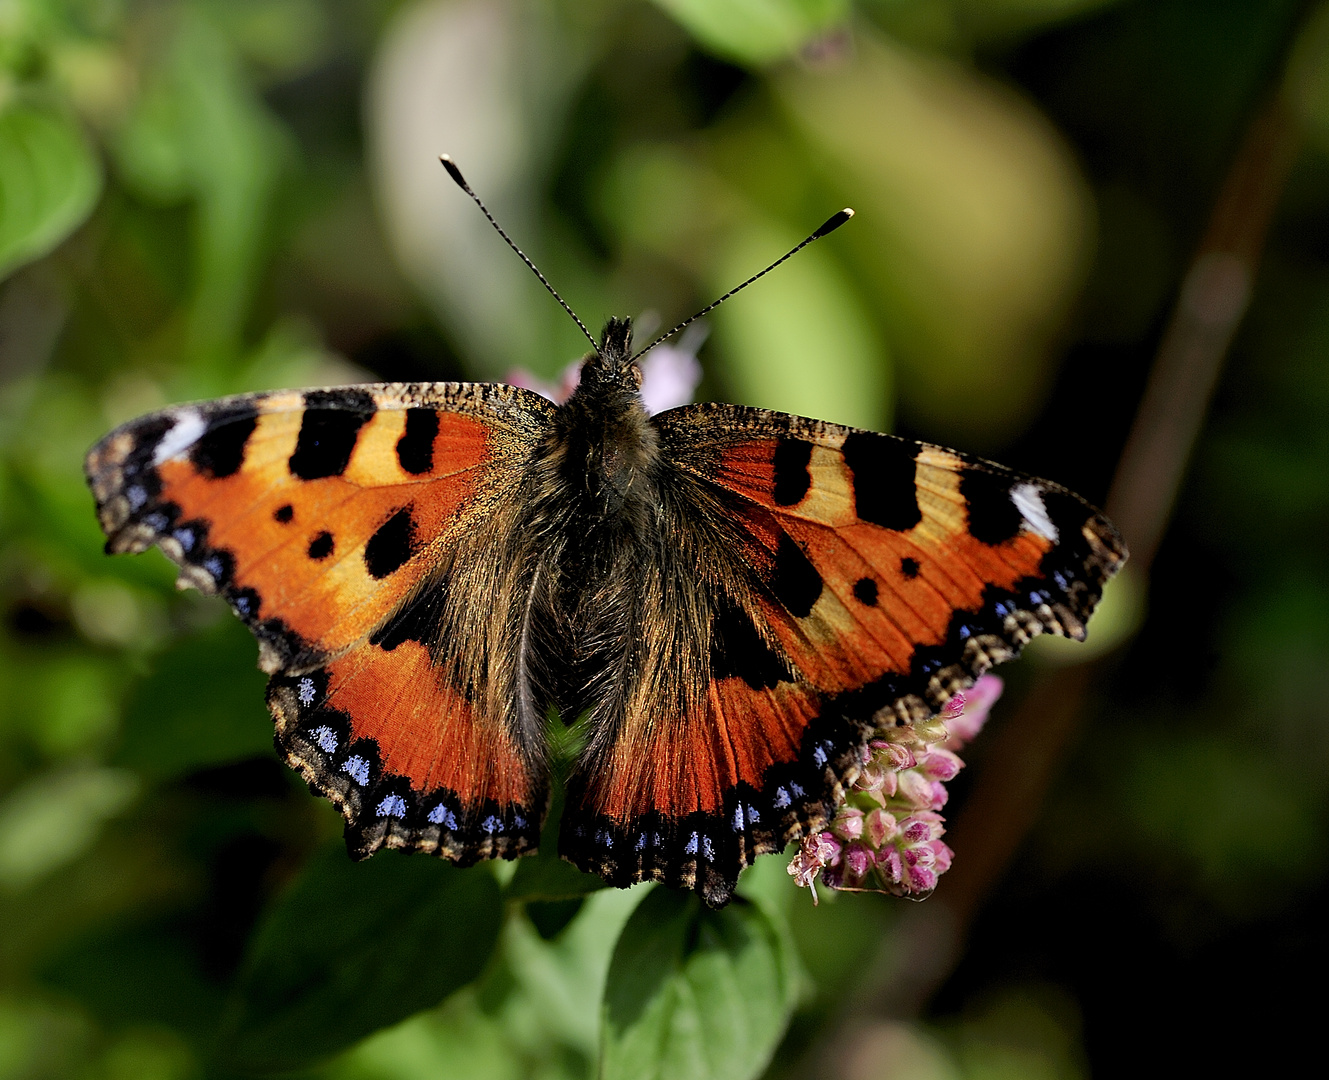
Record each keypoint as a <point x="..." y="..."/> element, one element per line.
<point x="1029" y="501"/>
<point x="185" y="432"/>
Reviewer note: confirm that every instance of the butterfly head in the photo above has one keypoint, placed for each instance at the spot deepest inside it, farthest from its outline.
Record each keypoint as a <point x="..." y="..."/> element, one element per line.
<point x="616" y="342"/>
<point x="610" y="370"/>
<point x="603" y="434"/>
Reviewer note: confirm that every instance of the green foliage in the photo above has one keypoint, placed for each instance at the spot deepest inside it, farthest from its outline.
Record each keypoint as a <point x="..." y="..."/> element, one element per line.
<point x="199" y="133"/>
<point x="697" y="993"/>
<point x="50" y="178"/>
<point x="546" y="877"/>
<point x="756" y="31"/>
<point x="351" y="948"/>
<point x="810" y="311"/>
<point x="201" y="705"/>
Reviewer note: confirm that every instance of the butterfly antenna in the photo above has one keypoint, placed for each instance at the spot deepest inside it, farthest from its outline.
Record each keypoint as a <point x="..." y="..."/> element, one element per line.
<point x="831" y="224"/>
<point x="456" y="175"/>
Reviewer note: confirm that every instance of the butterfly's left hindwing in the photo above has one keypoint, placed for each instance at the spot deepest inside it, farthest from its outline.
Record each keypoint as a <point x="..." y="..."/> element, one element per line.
<point x="819" y="581"/>
<point x="369" y="537"/>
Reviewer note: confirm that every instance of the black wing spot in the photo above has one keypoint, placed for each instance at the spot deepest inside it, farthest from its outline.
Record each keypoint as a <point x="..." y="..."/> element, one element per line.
<point x="284" y="513"/>
<point x="418" y="621"/>
<point x="739" y="652"/>
<point x="909" y="567"/>
<point x="993" y="516"/>
<point x="796" y="583"/>
<point x="865" y="591"/>
<point x="1070" y="515"/>
<point x="792" y="478"/>
<point x="415" y="449"/>
<point x="220" y="450"/>
<point x="885" y="488"/>
<point x="392" y="546"/>
<point x="321" y="546"/>
<point x="328" y="432"/>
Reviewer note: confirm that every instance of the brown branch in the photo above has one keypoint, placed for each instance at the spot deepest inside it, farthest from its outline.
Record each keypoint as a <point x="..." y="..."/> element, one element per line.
<point x="1212" y="300"/>
<point x="1027" y="749"/>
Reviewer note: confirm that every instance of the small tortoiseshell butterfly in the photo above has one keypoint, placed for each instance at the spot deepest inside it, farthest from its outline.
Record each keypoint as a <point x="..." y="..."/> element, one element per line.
<point x="734" y="599"/>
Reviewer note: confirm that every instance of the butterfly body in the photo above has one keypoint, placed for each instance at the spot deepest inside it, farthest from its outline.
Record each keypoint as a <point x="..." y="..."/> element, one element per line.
<point x="733" y="600"/>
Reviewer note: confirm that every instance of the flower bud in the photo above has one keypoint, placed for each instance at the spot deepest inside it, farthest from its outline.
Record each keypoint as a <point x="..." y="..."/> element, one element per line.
<point x="940" y="764"/>
<point x="890" y="865"/>
<point x="979" y="700"/>
<point x="848" y="823"/>
<point x="916" y="789"/>
<point x="897" y="757"/>
<point x="919" y="858"/>
<point x="886" y="833"/>
<point x="858" y="861"/>
<point x="880" y="827"/>
<point x="919" y="879"/>
<point x="872" y="778"/>
<point x="921" y="828"/>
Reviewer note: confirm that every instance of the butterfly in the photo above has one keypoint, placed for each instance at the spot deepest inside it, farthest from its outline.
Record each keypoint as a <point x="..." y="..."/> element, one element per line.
<point x="733" y="600"/>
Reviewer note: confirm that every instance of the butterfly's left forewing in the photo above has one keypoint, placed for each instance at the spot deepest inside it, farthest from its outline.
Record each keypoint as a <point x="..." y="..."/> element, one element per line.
<point x="370" y="538"/>
<point x="835" y="580"/>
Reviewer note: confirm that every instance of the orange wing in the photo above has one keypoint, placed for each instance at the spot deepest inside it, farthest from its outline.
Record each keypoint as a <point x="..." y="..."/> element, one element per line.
<point x="825" y="581"/>
<point x="367" y="536"/>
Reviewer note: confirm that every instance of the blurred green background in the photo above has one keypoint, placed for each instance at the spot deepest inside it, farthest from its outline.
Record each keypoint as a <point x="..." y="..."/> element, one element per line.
<point x="200" y="198"/>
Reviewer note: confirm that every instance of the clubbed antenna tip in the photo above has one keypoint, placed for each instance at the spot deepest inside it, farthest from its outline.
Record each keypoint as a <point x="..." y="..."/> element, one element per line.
<point x="829" y="226"/>
<point x="455" y="172"/>
<point x="832" y="223"/>
<point x="456" y="175"/>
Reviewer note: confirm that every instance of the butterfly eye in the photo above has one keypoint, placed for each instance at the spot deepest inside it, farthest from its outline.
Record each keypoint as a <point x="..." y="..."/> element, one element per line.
<point x="635" y="373"/>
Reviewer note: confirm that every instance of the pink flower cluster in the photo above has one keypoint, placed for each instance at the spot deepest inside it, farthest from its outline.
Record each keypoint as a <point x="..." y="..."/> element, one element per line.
<point x="886" y="835"/>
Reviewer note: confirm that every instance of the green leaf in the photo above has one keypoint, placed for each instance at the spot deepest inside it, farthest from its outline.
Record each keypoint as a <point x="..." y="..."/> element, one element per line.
<point x="461" y="1039"/>
<point x="755" y="31"/>
<point x="50" y="178"/>
<point x="354" y="947"/>
<point x="971" y="232"/>
<point x="547" y="877"/>
<point x="201" y="131"/>
<point x="56" y="816"/>
<point x="557" y="985"/>
<point x="146" y="972"/>
<point x="202" y="705"/>
<point x="697" y="994"/>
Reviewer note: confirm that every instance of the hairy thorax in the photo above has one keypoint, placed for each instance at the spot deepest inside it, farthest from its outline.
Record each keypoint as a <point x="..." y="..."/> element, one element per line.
<point x="606" y="446"/>
<point x="595" y="519"/>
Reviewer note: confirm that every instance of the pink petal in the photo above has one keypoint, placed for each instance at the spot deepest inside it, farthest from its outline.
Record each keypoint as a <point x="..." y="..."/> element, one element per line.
<point x="858" y="860"/>
<point x="941" y="764"/>
<point x="888" y="862"/>
<point x="919" y="879"/>
<point x="848" y="823"/>
<point x="671" y="372"/>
